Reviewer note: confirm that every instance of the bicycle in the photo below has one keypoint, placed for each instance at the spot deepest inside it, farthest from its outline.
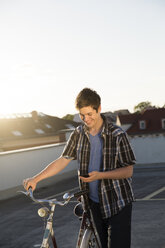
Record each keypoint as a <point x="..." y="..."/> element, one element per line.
<point x="87" y="237"/>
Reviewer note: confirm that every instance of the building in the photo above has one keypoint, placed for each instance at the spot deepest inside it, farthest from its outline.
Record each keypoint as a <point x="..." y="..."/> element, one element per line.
<point x="149" y="122"/>
<point x="127" y="120"/>
<point x="19" y="131"/>
<point x="147" y="134"/>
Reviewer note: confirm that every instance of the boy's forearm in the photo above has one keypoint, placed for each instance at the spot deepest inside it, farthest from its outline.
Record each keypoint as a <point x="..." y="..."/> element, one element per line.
<point x="120" y="173"/>
<point x="52" y="169"/>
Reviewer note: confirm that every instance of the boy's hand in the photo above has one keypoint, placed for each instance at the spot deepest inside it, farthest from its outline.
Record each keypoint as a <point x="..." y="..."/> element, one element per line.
<point x="29" y="182"/>
<point x="92" y="176"/>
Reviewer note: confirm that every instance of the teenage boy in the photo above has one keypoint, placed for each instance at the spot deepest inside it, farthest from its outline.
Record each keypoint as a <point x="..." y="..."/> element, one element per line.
<point x="104" y="154"/>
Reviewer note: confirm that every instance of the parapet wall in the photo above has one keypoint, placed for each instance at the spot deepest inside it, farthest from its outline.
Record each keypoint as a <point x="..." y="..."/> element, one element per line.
<point x="18" y="165"/>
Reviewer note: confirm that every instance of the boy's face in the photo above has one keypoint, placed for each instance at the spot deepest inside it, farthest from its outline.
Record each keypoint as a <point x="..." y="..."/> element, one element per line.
<point x="90" y="116"/>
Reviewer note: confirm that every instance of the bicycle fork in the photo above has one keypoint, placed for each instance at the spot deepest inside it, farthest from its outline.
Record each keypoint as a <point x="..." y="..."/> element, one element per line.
<point x="49" y="230"/>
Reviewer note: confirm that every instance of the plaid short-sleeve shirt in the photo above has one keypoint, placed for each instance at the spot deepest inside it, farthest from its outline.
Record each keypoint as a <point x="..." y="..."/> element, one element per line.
<point x="117" y="153"/>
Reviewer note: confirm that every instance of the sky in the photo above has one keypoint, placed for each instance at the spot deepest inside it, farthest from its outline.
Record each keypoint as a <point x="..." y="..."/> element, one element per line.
<point x="52" y="49"/>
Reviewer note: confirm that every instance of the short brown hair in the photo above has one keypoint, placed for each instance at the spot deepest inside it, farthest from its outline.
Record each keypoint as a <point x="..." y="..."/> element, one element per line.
<point x="88" y="97"/>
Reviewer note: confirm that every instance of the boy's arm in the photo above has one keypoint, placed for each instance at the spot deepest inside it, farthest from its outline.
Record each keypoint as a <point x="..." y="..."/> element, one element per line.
<point x="120" y="173"/>
<point x="51" y="170"/>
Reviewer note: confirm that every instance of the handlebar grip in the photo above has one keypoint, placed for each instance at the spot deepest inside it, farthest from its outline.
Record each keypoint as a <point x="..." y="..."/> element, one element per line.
<point x="30" y="191"/>
<point x="82" y="192"/>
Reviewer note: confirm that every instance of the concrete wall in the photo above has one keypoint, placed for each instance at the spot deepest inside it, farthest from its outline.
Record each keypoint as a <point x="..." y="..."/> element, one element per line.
<point x="149" y="149"/>
<point x="18" y="165"/>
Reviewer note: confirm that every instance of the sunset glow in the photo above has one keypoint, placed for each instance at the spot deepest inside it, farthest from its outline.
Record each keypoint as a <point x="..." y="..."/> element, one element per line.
<point x="49" y="55"/>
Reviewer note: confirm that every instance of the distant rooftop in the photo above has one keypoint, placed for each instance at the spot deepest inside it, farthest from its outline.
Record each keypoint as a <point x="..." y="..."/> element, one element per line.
<point x="30" y="129"/>
<point x="19" y="115"/>
<point x="153" y="121"/>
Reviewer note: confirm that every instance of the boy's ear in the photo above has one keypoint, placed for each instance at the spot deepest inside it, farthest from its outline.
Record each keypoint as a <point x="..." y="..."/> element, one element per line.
<point x="99" y="108"/>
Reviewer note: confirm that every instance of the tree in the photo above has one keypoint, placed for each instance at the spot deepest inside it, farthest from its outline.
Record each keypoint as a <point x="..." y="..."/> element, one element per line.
<point x="142" y="106"/>
<point x="68" y="117"/>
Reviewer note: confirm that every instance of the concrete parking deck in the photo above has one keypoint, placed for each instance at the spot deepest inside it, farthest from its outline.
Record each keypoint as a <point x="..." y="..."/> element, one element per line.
<point x="21" y="226"/>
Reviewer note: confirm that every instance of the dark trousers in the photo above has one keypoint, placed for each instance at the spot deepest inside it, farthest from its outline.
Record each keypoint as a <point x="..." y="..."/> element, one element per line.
<point x="120" y="227"/>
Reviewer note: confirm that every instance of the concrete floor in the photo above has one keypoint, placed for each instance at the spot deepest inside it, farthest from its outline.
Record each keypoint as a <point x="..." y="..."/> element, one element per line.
<point x="21" y="227"/>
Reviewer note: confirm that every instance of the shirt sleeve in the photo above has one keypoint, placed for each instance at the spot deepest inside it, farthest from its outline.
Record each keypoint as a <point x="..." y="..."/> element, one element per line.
<point x="126" y="155"/>
<point x="69" y="151"/>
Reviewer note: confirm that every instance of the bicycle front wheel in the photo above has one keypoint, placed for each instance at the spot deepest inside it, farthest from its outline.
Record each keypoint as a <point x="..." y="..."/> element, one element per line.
<point x="89" y="240"/>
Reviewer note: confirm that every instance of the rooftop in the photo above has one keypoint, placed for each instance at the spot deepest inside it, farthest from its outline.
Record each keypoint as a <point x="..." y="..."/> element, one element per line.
<point x="152" y="119"/>
<point x="34" y="125"/>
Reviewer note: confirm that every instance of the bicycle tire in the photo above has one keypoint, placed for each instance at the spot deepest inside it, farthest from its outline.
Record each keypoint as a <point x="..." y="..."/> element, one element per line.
<point x="89" y="240"/>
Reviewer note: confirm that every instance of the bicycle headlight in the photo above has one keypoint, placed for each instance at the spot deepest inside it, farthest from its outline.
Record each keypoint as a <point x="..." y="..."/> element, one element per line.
<point x="43" y="212"/>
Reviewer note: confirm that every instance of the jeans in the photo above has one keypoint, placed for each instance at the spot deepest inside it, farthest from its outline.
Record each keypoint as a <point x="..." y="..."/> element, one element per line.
<point x="120" y="227"/>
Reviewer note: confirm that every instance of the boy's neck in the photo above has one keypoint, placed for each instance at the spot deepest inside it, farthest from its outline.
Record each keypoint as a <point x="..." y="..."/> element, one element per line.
<point x="97" y="128"/>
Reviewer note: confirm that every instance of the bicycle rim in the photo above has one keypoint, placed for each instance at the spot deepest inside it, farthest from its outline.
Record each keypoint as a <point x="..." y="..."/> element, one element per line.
<point x="89" y="240"/>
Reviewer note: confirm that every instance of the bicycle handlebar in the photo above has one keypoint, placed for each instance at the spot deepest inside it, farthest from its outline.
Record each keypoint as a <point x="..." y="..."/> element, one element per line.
<point x="67" y="197"/>
<point x="82" y="192"/>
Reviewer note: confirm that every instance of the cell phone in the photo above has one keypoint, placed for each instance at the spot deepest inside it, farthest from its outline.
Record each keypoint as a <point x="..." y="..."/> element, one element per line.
<point x="86" y="175"/>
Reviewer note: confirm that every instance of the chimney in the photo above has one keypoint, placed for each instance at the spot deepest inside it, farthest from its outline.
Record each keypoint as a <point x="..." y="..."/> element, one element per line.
<point x="34" y="116"/>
